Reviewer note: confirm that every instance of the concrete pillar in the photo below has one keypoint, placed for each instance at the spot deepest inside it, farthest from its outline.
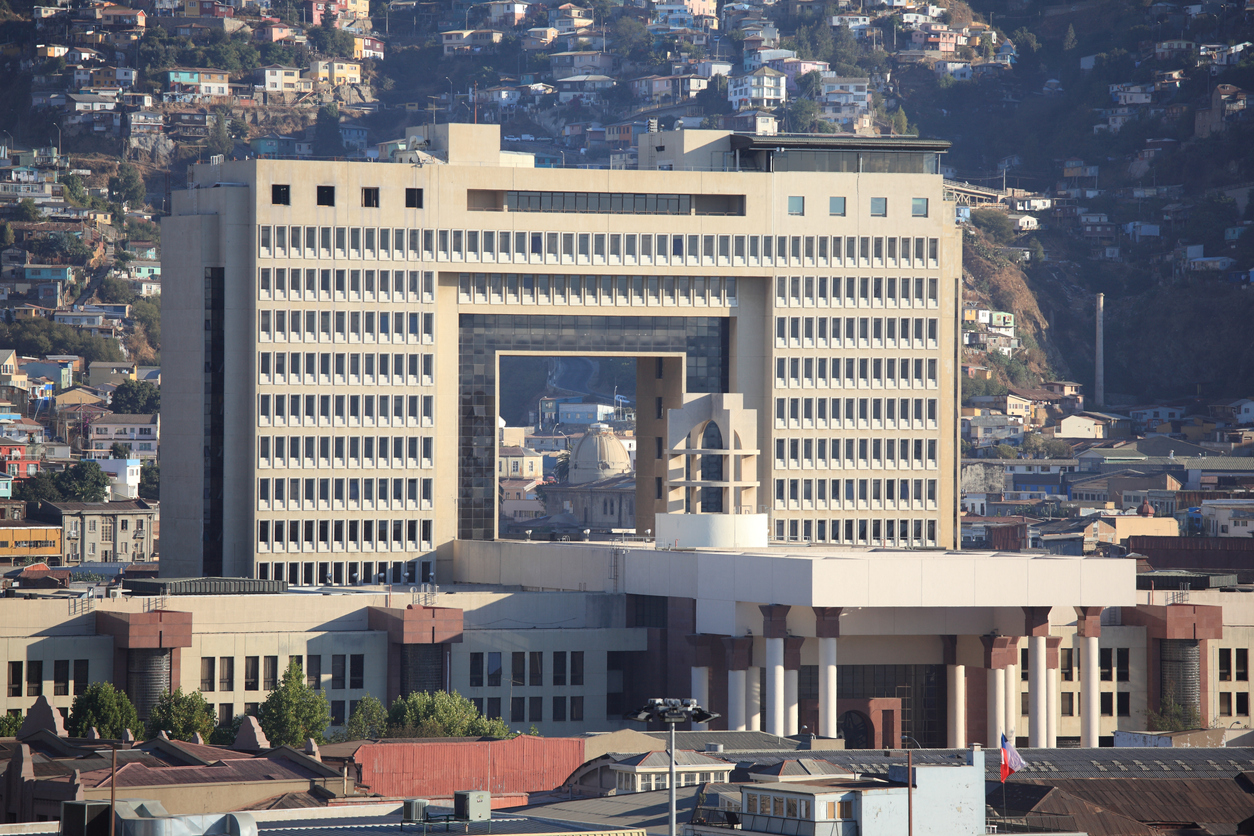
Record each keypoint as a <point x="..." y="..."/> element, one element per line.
<point x="1089" y="631"/>
<point x="1090" y="693"/>
<point x="774" y="630"/>
<point x="736" y="701"/>
<point x="996" y="705"/>
<point x="792" y="711"/>
<point x="1013" y="705"/>
<point x="774" y="714"/>
<point x="739" y="653"/>
<point x="956" y="676"/>
<point x="753" y="699"/>
<point x="1053" y="684"/>
<point x="701" y="693"/>
<point x="1038" y="700"/>
<point x="827" y="628"/>
<point x="828" y="715"/>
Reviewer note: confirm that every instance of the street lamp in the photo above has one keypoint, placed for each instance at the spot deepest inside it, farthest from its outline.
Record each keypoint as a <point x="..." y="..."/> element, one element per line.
<point x="671" y="711"/>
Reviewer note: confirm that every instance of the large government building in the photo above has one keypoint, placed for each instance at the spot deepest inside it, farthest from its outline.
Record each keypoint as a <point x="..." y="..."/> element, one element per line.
<point x="335" y="329"/>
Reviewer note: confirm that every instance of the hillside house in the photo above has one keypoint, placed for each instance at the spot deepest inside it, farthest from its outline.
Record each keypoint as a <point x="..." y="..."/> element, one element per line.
<point x="763" y="89"/>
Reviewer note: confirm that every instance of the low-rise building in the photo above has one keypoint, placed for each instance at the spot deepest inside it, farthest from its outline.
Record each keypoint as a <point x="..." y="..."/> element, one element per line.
<point x="1228" y="518"/>
<point x="141" y="434"/>
<point x="335" y="72"/>
<point x="101" y="532"/>
<point x="24" y="541"/>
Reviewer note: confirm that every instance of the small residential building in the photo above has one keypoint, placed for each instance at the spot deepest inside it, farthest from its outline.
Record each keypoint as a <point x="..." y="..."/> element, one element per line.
<point x="335" y="72"/>
<point x="470" y="41"/>
<point x="277" y="78"/>
<point x="520" y="500"/>
<point x="141" y="434"/>
<point x="764" y="88"/>
<point x="123" y="477"/>
<point x="519" y="463"/>
<point x="24" y="541"/>
<point x="1228" y="517"/>
<point x="366" y="47"/>
<point x="103" y="532"/>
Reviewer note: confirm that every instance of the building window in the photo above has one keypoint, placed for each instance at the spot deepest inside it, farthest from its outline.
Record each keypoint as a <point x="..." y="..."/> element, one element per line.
<point x="476" y="670"/>
<point x="1066" y="704"/>
<point x="337" y="712"/>
<point x="337" y="671"/>
<point x="1243" y="703"/>
<point x="559" y="709"/>
<point x="576" y="667"/>
<point x="225" y="714"/>
<point x="1225" y="704"/>
<point x="559" y="667"/>
<point x="207" y="664"/>
<point x="357" y="671"/>
<point x="370" y="197"/>
<point x="576" y="709"/>
<point x="535" y="709"/>
<point x="61" y="678"/>
<point x="879" y="207"/>
<point x="517" y="709"/>
<point x="1107" y="704"/>
<point x="1066" y="663"/>
<point x="1123" y="704"/>
<point x="1242" y="664"/>
<point x="80" y="676"/>
<point x="313" y="674"/>
<point x="1122" y="668"/>
<point x="226" y="673"/>
<point x="252" y="673"/>
<point x="413" y="198"/>
<point x="1225" y="664"/>
<point x="15" y="679"/>
<point x="494" y="708"/>
<point x="836" y="206"/>
<point x="918" y="207"/>
<point x="537" y="668"/>
<point x="518" y="669"/>
<point x="281" y="195"/>
<point x="1024" y="703"/>
<point x="796" y="205"/>
<point x="326" y="195"/>
<point x="1106" y="660"/>
<point x="494" y="670"/>
<point x="270" y="673"/>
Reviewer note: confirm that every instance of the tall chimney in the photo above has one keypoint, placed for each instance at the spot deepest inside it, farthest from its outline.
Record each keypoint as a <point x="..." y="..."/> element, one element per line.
<point x="1099" y="378"/>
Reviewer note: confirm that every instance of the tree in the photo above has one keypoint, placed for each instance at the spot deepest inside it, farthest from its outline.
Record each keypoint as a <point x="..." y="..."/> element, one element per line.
<point x="1171" y="715"/>
<point x="294" y="712"/>
<point x="116" y="291"/>
<point x="42" y="487"/>
<point x="629" y="36"/>
<point x="802" y="114"/>
<point x="28" y="211"/>
<point x="127" y="186"/>
<point x="118" y="450"/>
<point x="150" y="481"/>
<point x="900" y="123"/>
<point x="1024" y="40"/>
<point x="996" y="225"/>
<point x="6" y="235"/>
<point x="1005" y="451"/>
<point x="10" y="724"/>
<point x="369" y="720"/>
<point x="441" y="714"/>
<point x="1068" y="40"/>
<point x="327" y="141"/>
<point x="106" y="709"/>
<point x="136" y="397"/>
<point x="220" y="141"/>
<point x="84" y="482"/>
<point x="561" y="466"/>
<point x="181" y="716"/>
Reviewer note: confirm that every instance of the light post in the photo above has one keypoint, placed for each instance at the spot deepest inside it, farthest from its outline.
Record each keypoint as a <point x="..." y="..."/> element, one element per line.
<point x="671" y="711"/>
<point x="450" y="96"/>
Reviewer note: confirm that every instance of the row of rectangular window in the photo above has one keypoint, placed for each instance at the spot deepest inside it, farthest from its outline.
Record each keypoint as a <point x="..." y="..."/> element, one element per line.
<point x="346" y="410"/>
<point x="355" y="451"/>
<point x="342" y="326"/>
<point x="311" y="573"/>
<point x="323" y="534"/>
<point x="61" y="677"/>
<point x="855" y="291"/>
<point x="346" y="367"/>
<point x="531" y="709"/>
<point x="856" y="332"/>
<point x="809" y="413"/>
<point x="326" y="285"/>
<point x="861" y="531"/>
<point x="856" y="492"/>
<point x="543" y="247"/>
<point x="320" y="494"/>
<point x="877" y="206"/>
<point x="855" y="373"/>
<point x="526" y="668"/>
<point x="281" y="195"/>
<point x="543" y="289"/>
<point x="262" y="672"/>
<point x="1110" y="704"/>
<point x="813" y="452"/>
<point x="1234" y="664"/>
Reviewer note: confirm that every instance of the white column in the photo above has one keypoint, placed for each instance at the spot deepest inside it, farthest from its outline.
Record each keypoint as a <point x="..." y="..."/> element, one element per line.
<point x="1037" y="700"/>
<point x="957" y="698"/>
<point x="701" y="693"/>
<point x="736" y="700"/>
<point x="1013" y="704"/>
<point x="1051" y="711"/>
<point x="773" y="721"/>
<point x="753" y="699"/>
<point x="996" y="706"/>
<point x="1090" y="698"/>
<point x="792" y="719"/>
<point x="828" y="715"/>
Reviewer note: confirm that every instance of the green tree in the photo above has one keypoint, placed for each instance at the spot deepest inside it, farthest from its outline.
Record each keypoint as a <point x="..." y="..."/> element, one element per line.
<point x="225" y="735"/>
<point x="147" y="312"/>
<point x="996" y="225"/>
<point x="441" y="714"/>
<point x="116" y="291"/>
<point x="118" y="450"/>
<point x="967" y="448"/>
<point x="629" y="36"/>
<point x="6" y="235"/>
<point x="106" y="709"/>
<point x="40" y="487"/>
<point x="181" y="716"/>
<point x="84" y="482"/>
<point x="127" y="186"/>
<point x="561" y="466"/>
<point x="1005" y="451"/>
<point x="327" y="141"/>
<point x="28" y="211"/>
<point x="1171" y="715"/>
<point x="900" y="122"/>
<point x="368" y="721"/>
<point x="136" y="397"/>
<point x="1024" y="40"/>
<point x="220" y="141"/>
<point x="802" y="114"/>
<point x="150" y="481"/>
<point x="10" y="724"/>
<point x="294" y="712"/>
<point x="1068" y="40"/>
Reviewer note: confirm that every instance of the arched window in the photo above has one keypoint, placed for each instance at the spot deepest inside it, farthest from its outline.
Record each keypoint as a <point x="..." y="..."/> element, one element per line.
<point x="712" y="469"/>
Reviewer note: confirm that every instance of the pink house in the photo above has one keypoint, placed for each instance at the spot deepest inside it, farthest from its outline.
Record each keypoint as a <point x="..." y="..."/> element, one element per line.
<point x="936" y="39"/>
<point x="272" y="32"/>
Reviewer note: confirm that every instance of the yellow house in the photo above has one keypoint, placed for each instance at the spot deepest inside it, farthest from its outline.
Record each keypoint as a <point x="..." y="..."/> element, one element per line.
<point x="335" y="73"/>
<point x="51" y="50"/>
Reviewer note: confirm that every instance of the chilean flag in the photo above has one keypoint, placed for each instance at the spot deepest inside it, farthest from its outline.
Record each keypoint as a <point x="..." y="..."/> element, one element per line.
<point x="1010" y="760"/>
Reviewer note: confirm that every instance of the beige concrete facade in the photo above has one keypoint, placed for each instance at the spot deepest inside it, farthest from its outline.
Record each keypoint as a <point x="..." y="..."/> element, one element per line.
<point x="838" y="292"/>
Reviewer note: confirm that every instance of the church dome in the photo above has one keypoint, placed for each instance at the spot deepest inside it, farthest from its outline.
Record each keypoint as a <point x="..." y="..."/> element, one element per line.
<point x="598" y="455"/>
<point x="1146" y="510"/>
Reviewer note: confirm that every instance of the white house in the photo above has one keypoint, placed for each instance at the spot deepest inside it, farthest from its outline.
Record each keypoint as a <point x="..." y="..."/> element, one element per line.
<point x="1228" y="517"/>
<point x="763" y="88"/>
<point x="123" y="477"/>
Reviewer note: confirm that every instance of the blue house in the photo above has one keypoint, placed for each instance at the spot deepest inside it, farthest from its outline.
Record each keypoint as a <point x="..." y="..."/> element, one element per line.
<point x="47" y="273"/>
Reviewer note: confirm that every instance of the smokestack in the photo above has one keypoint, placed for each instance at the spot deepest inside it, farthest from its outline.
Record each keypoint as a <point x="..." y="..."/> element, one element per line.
<point x="1099" y="378"/>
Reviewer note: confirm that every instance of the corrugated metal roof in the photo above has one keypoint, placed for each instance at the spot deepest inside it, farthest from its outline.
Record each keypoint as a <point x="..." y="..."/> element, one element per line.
<point x="648" y="810"/>
<point x="1152" y="800"/>
<point x="729" y="740"/>
<point x="203" y="586"/>
<point x="658" y="760"/>
<point x="242" y="769"/>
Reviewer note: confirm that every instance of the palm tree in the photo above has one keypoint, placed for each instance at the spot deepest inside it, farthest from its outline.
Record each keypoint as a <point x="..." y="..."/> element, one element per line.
<point x="561" y="468"/>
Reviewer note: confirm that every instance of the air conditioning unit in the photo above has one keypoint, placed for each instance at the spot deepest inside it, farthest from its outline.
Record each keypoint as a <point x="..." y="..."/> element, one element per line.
<point x="472" y="805"/>
<point x="85" y="818"/>
<point x="414" y="810"/>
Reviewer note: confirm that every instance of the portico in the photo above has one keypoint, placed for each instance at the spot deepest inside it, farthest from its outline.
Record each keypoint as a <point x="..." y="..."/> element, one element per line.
<point x="864" y="644"/>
